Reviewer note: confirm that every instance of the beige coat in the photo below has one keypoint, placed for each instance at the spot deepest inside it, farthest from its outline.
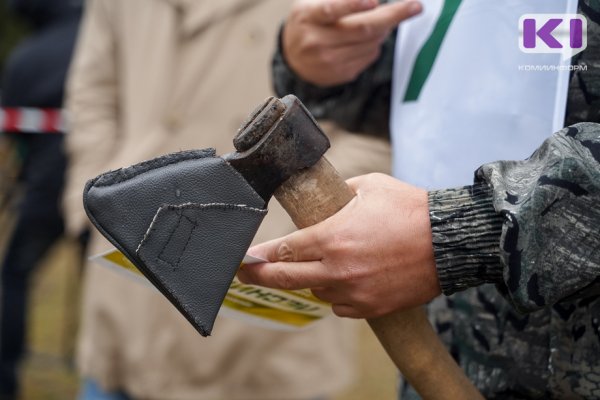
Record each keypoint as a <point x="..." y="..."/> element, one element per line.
<point x="156" y="76"/>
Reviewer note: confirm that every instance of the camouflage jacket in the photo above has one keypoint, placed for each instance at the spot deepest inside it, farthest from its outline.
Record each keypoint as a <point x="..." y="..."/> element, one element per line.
<point x="532" y="228"/>
<point x="520" y="249"/>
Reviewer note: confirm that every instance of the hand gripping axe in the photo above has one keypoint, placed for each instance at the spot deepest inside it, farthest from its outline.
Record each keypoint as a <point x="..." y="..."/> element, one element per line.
<point x="186" y="220"/>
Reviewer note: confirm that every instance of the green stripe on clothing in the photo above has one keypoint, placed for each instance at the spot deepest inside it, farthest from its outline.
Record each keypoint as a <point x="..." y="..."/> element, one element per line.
<point x="429" y="52"/>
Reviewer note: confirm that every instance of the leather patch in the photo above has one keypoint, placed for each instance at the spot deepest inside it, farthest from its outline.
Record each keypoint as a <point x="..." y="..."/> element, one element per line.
<point x="194" y="250"/>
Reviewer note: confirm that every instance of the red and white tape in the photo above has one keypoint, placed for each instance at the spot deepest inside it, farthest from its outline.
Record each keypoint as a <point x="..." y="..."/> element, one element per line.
<point x="33" y="120"/>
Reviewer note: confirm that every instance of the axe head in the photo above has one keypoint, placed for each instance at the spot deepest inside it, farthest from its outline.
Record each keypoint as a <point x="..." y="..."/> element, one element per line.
<point x="186" y="219"/>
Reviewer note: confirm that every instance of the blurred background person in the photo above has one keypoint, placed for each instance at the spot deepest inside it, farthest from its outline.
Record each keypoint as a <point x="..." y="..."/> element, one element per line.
<point x="156" y="76"/>
<point x="12" y="30"/>
<point x="32" y="99"/>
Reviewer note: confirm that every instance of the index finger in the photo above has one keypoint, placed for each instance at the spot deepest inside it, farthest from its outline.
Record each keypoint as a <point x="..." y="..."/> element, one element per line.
<point x="285" y="275"/>
<point x="330" y="11"/>
<point x="302" y="245"/>
<point x="381" y="19"/>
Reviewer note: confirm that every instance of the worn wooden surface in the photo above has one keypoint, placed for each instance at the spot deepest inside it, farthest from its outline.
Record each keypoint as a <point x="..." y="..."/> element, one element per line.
<point x="317" y="193"/>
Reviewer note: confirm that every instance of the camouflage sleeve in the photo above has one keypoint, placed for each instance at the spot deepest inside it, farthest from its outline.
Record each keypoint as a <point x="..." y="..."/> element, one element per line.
<point x="532" y="227"/>
<point x="362" y="105"/>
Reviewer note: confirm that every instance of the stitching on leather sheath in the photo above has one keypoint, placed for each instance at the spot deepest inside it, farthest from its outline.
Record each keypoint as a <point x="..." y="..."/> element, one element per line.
<point x="224" y="206"/>
<point x="194" y="206"/>
<point x="187" y="311"/>
<point x="195" y="224"/>
<point x="149" y="230"/>
<point x="160" y="254"/>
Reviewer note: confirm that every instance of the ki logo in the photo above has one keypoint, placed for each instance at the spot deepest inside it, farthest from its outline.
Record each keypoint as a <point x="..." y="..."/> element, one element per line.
<point x="565" y="34"/>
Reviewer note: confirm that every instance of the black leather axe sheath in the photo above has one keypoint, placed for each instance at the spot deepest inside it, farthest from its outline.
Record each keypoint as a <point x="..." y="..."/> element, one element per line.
<point x="185" y="220"/>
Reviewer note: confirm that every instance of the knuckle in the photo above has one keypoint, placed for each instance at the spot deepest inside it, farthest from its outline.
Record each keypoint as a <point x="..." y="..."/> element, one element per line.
<point x="339" y="243"/>
<point x="311" y="43"/>
<point x="364" y="29"/>
<point x="349" y="275"/>
<point x="340" y="277"/>
<point x="283" y="279"/>
<point x="285" y="252"/>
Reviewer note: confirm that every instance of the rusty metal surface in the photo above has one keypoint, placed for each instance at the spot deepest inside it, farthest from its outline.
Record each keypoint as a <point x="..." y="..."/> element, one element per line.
<point x="279" y="139"/>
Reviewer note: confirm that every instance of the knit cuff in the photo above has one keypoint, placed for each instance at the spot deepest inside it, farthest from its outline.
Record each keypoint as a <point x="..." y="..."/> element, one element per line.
<point x="466" y="233"/>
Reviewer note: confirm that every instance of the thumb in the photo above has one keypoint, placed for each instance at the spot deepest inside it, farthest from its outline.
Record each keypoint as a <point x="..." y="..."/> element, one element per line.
<point x="330" y="11"/>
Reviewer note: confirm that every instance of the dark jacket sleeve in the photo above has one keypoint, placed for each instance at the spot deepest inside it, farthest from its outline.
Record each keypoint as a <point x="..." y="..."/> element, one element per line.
<point x="532" y="226"/>
<point x="362" y="105"/>
<point x="36" y="70"/>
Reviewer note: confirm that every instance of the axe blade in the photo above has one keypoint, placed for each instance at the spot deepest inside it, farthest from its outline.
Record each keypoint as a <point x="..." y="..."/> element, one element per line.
<point x="186" y="220"/>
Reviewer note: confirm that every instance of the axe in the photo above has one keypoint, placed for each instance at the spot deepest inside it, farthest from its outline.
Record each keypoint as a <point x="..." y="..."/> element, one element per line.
<point x="186" y="220"/>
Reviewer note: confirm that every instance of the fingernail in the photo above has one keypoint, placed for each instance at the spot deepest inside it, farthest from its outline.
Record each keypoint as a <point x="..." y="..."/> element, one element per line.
<point x="414" y="8"/>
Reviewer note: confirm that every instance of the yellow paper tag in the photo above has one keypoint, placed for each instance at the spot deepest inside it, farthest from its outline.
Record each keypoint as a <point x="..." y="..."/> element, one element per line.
<point x="272" y="308"/>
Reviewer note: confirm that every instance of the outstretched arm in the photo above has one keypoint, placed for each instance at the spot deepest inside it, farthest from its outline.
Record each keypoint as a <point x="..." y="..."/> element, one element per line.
<point x="531" y="226"/>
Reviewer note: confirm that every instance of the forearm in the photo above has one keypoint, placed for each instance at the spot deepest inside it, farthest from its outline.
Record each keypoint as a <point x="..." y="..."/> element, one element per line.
<point x="531" y="226"/>
<point x="466" y="232"/>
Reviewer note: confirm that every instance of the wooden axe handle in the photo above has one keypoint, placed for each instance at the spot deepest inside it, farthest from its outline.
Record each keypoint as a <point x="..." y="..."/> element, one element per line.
<point x="317" y="193"/>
